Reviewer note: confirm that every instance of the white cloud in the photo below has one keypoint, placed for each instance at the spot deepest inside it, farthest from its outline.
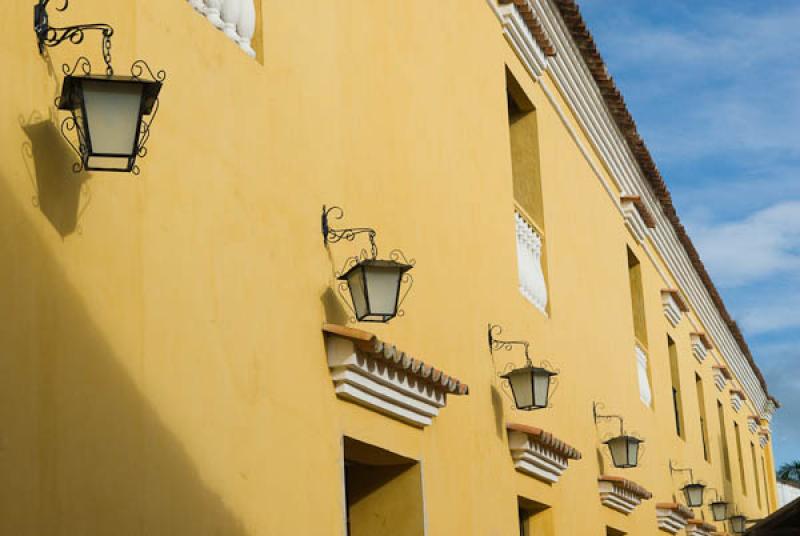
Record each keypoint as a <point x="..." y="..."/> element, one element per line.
<point x="763" y="245"/>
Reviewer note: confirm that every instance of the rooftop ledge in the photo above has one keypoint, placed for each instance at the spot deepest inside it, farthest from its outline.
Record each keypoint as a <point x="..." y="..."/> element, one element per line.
<point x="375" y="374"/>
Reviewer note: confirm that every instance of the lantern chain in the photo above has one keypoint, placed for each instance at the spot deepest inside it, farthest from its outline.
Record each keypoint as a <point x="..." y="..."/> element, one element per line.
<point x="50" y="36"/>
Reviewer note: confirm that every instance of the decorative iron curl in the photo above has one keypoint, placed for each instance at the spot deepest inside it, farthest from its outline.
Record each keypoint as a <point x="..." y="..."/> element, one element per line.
<point x="408" y="280"/>
<point x="397" y="255"/>
<point x="331" y="235"/>
<point x="494" y="331"/>
<point x="81" y="63"/>
<point x="49" y="36"/>
<point x="139" y="67"/>
<point x="68" y="125"/>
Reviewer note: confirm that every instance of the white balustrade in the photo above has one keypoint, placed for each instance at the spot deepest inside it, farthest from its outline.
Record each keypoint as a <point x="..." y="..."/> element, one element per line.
<point x="529" y="263"/>
<point x="236" y="18"/>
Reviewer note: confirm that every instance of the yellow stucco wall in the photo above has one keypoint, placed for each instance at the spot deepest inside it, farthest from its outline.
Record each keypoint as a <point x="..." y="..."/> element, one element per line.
<point x="163" y="368"/>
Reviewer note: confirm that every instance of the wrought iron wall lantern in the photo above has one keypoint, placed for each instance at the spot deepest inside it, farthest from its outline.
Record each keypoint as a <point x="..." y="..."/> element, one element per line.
<point x="738" y="523"/>
<point x="374" y="284"/>
<point x="624" y="448"/>
<point x="719" y="506"/>
<point x="693" y="491"/>
<point x="110" y="115"/>
<point x="530" y="385"/>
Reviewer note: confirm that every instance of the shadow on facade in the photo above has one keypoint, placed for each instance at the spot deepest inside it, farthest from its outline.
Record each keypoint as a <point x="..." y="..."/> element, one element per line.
<point x="82" y="450"/>
<point x="61" y="194"/>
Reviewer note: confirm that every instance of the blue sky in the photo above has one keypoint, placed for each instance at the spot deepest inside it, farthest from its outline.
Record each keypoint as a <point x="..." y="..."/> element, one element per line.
<point x="714" y="87"/>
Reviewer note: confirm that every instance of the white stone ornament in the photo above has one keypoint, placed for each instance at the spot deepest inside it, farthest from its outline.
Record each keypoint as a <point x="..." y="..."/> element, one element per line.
<point x="529" y="264"/>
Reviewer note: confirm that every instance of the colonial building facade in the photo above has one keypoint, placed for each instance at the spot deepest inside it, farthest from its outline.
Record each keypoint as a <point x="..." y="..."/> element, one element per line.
<point x="182" y="349"/>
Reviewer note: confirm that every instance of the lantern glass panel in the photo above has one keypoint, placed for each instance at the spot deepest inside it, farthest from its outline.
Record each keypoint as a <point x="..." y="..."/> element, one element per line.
<point x="624" y="451"/>
<point x="521" y="381"/>
<point x="112" y="117"/>
<point x="355" y="282"/>
<point x="375" y="289"/>
<point x="719" y="509"/>
<point x="383" y="286"/>
<point x="530" y="387"/>
<point x="108" y="114"/>
<point x="738" y="524"/>
<point x="694" y="494"/>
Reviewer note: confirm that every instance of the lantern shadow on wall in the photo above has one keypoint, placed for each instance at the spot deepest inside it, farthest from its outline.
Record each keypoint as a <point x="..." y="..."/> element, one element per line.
<point x="61" y="196"/>
<point x="109" y="116"/>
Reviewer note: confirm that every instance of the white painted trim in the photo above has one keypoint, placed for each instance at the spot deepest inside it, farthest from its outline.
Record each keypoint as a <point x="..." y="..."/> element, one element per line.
<point x="696" y="530"/>
<point x="535" y="459"/>
<point x="521" y="39"/>
<point x="643" y="373"/>
<point x="698" y="348"/>
<point x="736" y="402"/>
<point x="532" y="284"/>
<point x="614" y="496"/>
<point x="670" y="520"/>
<point x="374" y="384"/>
<point x="719" y="380"/>
<point x="671" y="309"/>
<point x="634" y="220"/>
<point x="580" y="91"/>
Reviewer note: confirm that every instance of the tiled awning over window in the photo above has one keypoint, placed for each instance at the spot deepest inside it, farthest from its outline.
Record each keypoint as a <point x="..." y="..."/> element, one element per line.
<point x="372" y="373"/>
<point x="538" y="453"/>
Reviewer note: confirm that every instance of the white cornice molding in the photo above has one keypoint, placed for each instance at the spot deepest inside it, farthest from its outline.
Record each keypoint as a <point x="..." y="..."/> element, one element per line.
<point x="614" y="496"/>
<point x="520" y="37"/>
<point x="374" y="384"/>
<point x="672" y="518"/>
<point x="579" y="89"/>
<point x="535" y="459"/>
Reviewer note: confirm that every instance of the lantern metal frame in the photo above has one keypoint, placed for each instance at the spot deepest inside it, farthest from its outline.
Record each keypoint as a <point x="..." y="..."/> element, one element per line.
<point x="70" y="101"/>
<point x="628" y="436"/>
<point x="397" y="258"/>
<point x="71" y="98"/>
<point x="718" y="501"/>
<point x="739" y="518"/>
<point x="50" y="36"/>
<point x="692" y="482"/>
<point x="493" y="332"/>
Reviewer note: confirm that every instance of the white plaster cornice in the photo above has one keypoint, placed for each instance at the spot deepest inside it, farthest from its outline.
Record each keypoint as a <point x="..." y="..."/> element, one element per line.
<point x="578" y="88"/>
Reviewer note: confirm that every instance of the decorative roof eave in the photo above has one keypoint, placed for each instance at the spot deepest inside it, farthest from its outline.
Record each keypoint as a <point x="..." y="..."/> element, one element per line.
<point x="698" y="526"/>
<point x="637" y="490"/>
<point x="372" y="345"/>
<point x="546" y="439"/>
<point x="571" y="15"/>
<point x="681" y="510"/>
<point x="703" y="339"/>
<point x="676" y="295"/>
<point x="739" y="393"/>
<point x="641" y="208"/>
<point x="527" y="14"/>
<point x="726" y="373"/>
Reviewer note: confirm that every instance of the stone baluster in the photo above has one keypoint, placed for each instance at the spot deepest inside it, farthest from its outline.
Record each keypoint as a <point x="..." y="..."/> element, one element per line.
<point x="230" y="17"/>
<point x="198" y="5"/>
<point x="213" y="12"/>
<point x="246" y="26"/>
